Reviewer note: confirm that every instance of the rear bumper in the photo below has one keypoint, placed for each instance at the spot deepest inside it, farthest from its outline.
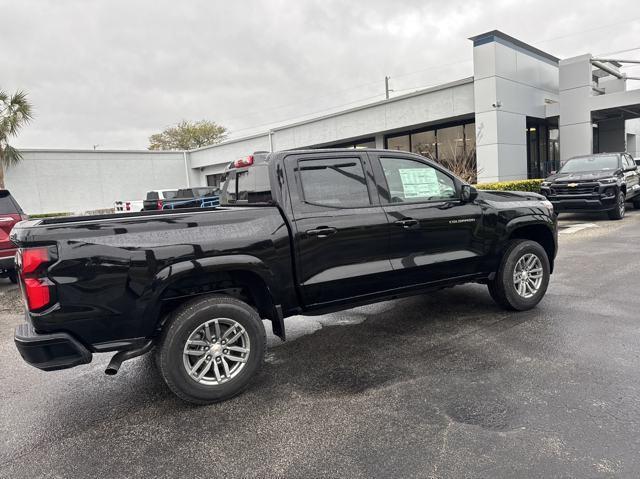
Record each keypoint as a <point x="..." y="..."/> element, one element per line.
<point x="49" y="352"/>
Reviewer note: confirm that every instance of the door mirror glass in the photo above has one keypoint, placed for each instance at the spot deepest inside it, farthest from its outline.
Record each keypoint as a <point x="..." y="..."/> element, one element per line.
<point x="468" y="193"/>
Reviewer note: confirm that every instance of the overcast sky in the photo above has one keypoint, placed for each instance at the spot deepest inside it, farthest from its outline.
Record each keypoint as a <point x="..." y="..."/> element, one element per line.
<point x="112" y="73"/>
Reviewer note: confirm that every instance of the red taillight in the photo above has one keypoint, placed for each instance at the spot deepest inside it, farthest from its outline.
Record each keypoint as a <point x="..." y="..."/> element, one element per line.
<point x="159" y="204"/>
<point x="247" y="161"/>
<point x="37" y="292"/>
<point x="32" y="258"/>
<point x="38" y="289"/>
<point x="128" y="206"/>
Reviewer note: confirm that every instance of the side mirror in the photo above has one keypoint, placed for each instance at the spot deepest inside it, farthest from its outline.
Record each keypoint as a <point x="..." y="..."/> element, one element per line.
<point x="631" y="168"/>
<point x="553" y="172"/>
<point x="468" y="193"/>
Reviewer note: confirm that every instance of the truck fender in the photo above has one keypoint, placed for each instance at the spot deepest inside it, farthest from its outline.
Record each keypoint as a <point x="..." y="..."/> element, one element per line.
<point x="540" y="228"/>
<point x="226" y="263"/>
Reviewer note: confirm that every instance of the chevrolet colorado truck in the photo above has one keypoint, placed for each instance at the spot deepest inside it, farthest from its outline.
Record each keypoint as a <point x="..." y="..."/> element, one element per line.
<point x="592" y="183"/>
<point x="297" y="232"/>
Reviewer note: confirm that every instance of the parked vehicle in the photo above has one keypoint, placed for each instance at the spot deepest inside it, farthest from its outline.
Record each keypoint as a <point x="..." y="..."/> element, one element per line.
<point x="202" y="197"/>
<point x="601" y="182"/>
<point x="298" y="232"/>
<point x="128" y="205"/>
<point x="155" y="199"/>
<point x="10" y="214"/>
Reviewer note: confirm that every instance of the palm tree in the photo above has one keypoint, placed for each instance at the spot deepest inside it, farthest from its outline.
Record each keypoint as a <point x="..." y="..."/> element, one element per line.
<point x="15" y="112"/>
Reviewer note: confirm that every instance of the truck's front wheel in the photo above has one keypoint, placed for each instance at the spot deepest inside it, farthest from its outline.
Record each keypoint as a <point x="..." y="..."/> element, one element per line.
<point x="211" y="348"/>
<point x="523" y="276"/>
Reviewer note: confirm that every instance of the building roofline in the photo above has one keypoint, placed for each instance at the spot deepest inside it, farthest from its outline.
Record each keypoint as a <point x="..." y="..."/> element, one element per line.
<point x="91" y="150"/>
<point x="233" y="140"/>
<point x="497" y="35"/>
<point x="394" y="99"/>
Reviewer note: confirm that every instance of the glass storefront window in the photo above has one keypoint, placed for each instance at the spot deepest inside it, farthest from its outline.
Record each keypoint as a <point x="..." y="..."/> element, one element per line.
<point x="424" y="143"/>
<point x="401" y="143"/>
<point x="366" y="144"/>
<point x="453" y="147"/>
<point x="450" y="143"/>
<point x="470" y="138"/>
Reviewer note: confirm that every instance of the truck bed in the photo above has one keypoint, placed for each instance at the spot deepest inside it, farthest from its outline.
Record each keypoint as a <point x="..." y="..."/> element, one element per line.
<point x="128" y="258"/>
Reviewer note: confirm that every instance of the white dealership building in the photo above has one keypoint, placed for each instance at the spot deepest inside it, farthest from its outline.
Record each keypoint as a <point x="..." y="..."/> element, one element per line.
<point x="521" y="113"/>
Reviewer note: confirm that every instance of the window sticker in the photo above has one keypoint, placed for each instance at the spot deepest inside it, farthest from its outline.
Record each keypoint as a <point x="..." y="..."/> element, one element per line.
<point x="419" y="182"/>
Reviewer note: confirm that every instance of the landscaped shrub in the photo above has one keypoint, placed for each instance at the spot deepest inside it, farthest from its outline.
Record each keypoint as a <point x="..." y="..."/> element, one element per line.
<point x="48" y="215"/>
<point x="518" y="185"/>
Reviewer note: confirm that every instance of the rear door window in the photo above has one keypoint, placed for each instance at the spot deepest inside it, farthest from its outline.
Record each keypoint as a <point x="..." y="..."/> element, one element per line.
<point x="334" y="182"/>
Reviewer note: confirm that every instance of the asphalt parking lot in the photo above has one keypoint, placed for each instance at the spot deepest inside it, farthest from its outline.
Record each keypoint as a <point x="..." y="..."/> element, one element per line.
<point x="446" y="385"/>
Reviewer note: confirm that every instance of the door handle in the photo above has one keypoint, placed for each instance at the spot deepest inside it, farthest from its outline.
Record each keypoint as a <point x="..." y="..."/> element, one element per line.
<point x="407" y="223"/>
<point x="322" y="232"/>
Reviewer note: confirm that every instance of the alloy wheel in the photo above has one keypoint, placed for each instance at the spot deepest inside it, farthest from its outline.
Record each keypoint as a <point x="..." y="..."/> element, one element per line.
<point x="216" y="351"/>
<point x="527" y="275"/>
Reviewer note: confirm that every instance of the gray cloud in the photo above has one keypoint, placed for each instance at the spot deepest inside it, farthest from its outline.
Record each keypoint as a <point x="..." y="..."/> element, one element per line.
<point x="114" y="72"/>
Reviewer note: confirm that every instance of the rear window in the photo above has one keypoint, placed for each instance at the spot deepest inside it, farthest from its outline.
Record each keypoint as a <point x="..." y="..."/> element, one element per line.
<point x="203" y="192"/>
<point x="185" y="193"/>
<point x="152" y="195"/>
<point x="7" y="205"/>
<point x="250" y="185"/>
<point x="168" y="195"/>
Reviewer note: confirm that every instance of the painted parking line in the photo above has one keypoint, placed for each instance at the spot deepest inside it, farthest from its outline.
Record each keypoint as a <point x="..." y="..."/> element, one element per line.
<point x="574" y="228"/>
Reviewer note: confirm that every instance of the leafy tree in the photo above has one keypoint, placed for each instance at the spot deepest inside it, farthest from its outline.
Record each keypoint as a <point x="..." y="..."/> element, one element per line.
<point x="15" y="112"/>
<point x="187" y="135"/>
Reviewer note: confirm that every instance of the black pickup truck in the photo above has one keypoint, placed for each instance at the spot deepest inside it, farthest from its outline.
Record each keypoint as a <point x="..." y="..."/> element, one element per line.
<point x="298" y="232"/>
<point x="594" y="183"/>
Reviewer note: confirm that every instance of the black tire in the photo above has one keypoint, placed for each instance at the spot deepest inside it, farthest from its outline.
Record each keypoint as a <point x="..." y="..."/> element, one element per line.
<point x="13" y="276"/>
<point x="502" y="288"/>
<point x="617" y="213"/>
<point x="187" y="319"/>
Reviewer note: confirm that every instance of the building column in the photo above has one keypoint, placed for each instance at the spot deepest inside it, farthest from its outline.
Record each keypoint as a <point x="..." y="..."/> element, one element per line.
<point x="501" y="139"/>
<point x="576" y="131"/>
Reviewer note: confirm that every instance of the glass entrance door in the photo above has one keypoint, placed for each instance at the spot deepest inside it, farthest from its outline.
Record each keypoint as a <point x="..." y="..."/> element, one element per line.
<point x="543" y="147"/>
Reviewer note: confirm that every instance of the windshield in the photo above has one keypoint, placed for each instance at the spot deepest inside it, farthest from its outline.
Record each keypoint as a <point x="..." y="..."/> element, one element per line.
<point x="591" y="163"/>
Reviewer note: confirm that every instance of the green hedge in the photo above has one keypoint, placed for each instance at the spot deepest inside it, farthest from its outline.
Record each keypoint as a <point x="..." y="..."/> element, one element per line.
<point x="518" y="185"/>
<point x="48" y="215"/>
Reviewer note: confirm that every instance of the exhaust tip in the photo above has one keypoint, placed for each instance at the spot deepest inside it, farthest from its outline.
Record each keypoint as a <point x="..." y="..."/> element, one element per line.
<point x="111" y="371"/>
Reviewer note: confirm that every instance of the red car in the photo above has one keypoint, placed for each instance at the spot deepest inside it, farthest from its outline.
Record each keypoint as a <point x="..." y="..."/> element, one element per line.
<point x="10" y="214"/>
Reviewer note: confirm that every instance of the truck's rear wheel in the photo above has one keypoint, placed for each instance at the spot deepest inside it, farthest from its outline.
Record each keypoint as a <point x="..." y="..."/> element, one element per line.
<point x="211" y="348"/>
<point x="523" y="276"/>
